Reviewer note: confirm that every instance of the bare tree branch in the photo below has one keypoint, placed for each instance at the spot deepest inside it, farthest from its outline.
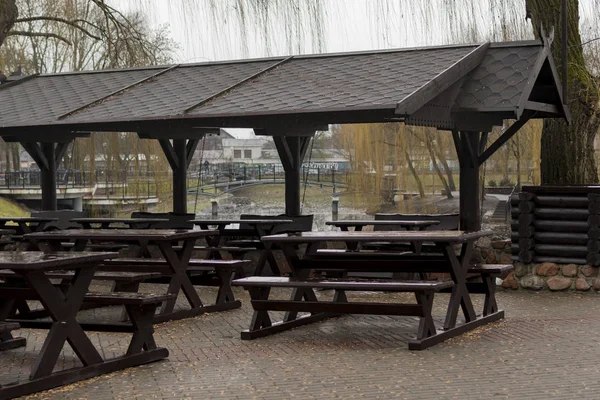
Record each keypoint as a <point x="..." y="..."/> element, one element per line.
<point x="74" y="24"/>
<point x="39" y="34"/>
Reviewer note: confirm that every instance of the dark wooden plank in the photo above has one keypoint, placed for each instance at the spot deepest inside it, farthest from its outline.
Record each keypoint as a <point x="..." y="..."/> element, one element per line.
<point x="65" y="377"/>
<point x="490" y="268"/>
<point x="122" y="298"/>
<point x="127" y="235"/>
<point x="241" y="221"/>
<point x="387" y="236"/>
<point x="343" y="284"/>
<point x="34" y="260"/>
<point x="339" y="308"/>
<point x="453" y="332"/>
<point x="403" y="223"/>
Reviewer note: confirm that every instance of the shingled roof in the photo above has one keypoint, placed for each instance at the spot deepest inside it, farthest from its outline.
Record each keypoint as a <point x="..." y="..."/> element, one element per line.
<point x="433" y="86"/>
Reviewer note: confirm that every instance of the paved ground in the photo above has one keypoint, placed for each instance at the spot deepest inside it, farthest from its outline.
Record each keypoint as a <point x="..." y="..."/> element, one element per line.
<point x="546" y="348"/>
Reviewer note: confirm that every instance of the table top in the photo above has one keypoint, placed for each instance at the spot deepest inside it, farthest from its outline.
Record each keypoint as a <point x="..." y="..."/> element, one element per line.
<point x="27" y="219"/>
<point x="119" y="220"/>
<point x="381" y="223"/>
<point x="241" y="221"/>
<point x="125" y="235"/>
<point x="38" y="260"/>
<point x="383" y="236"/>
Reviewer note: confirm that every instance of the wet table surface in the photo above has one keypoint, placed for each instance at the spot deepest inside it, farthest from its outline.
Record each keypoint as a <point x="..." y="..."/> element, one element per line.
<point x="139" y="223"/>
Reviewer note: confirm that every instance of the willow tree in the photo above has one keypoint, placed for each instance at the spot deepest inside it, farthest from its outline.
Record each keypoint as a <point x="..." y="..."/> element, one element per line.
<point x="567" y="151"/>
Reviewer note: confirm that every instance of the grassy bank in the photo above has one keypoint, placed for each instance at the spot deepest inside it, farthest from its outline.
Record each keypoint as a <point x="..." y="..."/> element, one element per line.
<point x="9" y="208"/>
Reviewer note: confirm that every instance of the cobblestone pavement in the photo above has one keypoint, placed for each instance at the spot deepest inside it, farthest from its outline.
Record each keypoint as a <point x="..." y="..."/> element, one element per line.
<point x="545" y="348"/>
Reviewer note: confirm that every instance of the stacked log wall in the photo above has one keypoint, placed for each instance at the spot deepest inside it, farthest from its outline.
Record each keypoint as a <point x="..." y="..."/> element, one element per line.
<point x="555" y="238"/>
<point x="556" y="227"/>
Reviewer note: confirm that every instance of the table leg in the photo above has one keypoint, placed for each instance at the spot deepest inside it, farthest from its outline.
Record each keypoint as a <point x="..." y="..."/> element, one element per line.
<point x="266" y="255"/>
<point x="179" y="278"/>
<point x="63" y="310"/>
<point x="460" y="297"/>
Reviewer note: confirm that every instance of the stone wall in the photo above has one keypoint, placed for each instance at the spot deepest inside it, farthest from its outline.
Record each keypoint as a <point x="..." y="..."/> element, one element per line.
<point x="554" y="277"/>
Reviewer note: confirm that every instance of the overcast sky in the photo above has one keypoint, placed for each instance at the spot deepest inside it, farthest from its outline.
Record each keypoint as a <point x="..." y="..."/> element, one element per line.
<point x="349" y="25"/>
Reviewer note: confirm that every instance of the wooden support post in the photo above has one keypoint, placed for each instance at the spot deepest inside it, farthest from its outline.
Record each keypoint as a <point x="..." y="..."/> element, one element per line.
<point x="291" y="151"/>
<point x="180" y="177"/>
<point x="470" y="207"/>
<point x="48" y="176"/>
<point x="45" y="157"/>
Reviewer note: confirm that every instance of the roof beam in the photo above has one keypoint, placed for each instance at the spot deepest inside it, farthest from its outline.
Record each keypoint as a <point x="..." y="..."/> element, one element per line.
<point x="116" y="92"/>
<point x="189" y="133"/>
<point x="442" y="81"/>
<point x="61" y="149"/>
<point x="35" y="151"/>
<point x="505" y="136"/>
<point x="190" y="149"/>
<point x="43" y="137"/>
<point x="167" y="148"/>
<point x="230" y="88"/>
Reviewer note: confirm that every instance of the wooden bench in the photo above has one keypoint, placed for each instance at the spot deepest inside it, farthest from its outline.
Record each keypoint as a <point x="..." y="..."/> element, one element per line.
<point x="304" y="300"/>
<point x="7" y="341"/>
<point x="489" y="273"/>
<point x="197" y="269"/>
<point x="123" y="282"/>
<point x="142" y="347"/>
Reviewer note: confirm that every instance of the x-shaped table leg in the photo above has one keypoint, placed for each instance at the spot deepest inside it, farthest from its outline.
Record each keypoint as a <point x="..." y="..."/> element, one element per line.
<point x="63" y="310"/>
<point x="266" y="255"/>
<point x="298" y="294"/>
<point x="179" y="278"/>
<point x="460" y="295"/>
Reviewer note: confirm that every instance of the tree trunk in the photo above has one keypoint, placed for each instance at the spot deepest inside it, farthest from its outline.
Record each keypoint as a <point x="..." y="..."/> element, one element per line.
<point x="567" y="151"/>
<point x="8" y="15"/>
<point x="440" y="155"/>
<point x="411" y="167"/>
<point x="429" y="145"/>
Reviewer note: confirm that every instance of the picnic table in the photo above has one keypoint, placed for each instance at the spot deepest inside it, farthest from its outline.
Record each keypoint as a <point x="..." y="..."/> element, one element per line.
<point x="304" y="300"/>
<point x="174" y="266"/>
<point x="63" y="304"/>
<point x="23" y="225"/>
<point x="258" y="229"/>
<point x="358" y="225"/>
<point x="106" y="223"/>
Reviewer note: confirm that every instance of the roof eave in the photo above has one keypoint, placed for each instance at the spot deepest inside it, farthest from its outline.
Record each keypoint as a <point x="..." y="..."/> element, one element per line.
<point x="442" y="81"/>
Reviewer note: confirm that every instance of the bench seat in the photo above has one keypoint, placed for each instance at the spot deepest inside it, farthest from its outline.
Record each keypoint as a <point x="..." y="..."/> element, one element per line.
<point x="7" y="341"/>
<point x="99" y="275"/>
<point x="490" y="269"/>
<point x="161" y="265"/>
<point x="304" y="300"/>
<point x="228" y="249"/>
<point x="126" y="298"/>
<point x="345" y="284"/>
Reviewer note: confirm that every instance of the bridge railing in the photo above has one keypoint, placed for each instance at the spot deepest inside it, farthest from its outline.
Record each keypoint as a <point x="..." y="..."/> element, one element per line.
<point x="204" y="175"/>
<point x="215" y="174"/>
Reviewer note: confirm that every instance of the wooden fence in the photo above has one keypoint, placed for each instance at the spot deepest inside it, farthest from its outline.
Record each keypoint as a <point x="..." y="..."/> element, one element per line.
<point x="559" y="224"/>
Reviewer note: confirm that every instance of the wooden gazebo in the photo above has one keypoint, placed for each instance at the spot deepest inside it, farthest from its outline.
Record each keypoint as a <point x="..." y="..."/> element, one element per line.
<point x="465" y="89"/>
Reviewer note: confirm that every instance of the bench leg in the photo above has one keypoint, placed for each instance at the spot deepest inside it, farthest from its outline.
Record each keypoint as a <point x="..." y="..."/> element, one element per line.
<point x="130" y="287"/>
<point x="426" y="325"/>
<point x="260" y="319"/>
<point x="225" y="293"/>
<point x="8" y="341"/>
<point x="490" y="305"/>
<point x="143" y="331"/>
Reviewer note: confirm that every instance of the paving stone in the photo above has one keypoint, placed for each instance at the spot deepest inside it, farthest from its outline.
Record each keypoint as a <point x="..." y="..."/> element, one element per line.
<point x="352" y="356"/>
